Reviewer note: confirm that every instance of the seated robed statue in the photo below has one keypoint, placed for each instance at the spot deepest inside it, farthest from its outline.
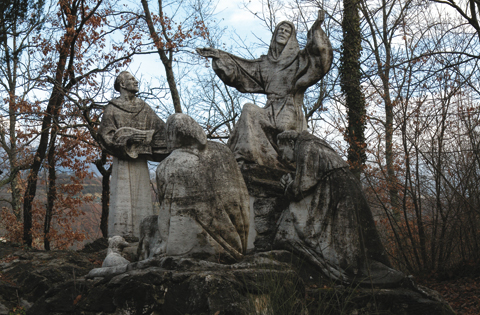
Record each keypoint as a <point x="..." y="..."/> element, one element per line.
<point x="283" y="75"/>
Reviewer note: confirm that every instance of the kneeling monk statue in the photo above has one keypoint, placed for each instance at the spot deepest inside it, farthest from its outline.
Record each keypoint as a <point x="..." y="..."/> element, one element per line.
<point x="204" y="202"/>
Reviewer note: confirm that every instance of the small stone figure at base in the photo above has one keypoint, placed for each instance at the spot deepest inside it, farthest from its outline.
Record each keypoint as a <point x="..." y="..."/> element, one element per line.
<point x="114" y="257"/>
<point x="328" y="220"/>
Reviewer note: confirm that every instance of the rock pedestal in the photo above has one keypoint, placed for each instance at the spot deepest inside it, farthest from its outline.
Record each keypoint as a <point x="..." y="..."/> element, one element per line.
<point x="263" y="283"/>
<point x="267" y="202"/>
<point x="271" y="282"/>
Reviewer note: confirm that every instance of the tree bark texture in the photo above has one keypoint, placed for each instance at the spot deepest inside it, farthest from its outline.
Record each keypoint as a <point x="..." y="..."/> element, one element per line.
<point x="350" y="76"/>
<point x="166" y="55"/>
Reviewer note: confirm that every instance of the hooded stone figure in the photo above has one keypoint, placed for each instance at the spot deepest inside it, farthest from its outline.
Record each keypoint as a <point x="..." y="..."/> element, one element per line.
<point x="328" y="220"/>
<point x="204" y="203"/>
<point x="283" y="75"/>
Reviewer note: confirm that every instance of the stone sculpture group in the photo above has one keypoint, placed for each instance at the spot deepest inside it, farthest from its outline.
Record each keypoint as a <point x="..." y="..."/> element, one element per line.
<point x="315" y="207"/>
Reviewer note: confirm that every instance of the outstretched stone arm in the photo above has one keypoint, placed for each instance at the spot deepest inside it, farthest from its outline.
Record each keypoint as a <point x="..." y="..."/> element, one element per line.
<point x="208" y="52"/>
<point x="242" y="74"/>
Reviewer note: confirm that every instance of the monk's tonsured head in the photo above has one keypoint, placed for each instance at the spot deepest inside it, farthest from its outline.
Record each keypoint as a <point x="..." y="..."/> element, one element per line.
<point x="184" y="132"/>
<point x="125" y="80"/>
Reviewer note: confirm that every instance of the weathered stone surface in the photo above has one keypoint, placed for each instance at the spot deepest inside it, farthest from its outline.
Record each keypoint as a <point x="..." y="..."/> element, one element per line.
<point x="273" y="282"/>
<point x="129" y="127"/>
<point x="95" y="246"/>
<point x="267" y="212"/>
<point x="25" y="281"/>
<point x="328" y="220"/>
<point x="130" y="196"/>
<point x="283" y="75"/>
<point x="173" y="285"/>
<point x="150" y="243"/>
<point x="267" y="202"/>
<point x="114" y="257"/>
<point x="204" y="203"/>
<point x="107" y="271"/>
<point x="263" y="283"/>
<point x="3" y="309"/>
<point x="132" y="132"/>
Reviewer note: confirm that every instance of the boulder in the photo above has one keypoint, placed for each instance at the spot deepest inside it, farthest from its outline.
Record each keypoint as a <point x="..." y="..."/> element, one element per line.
<point x="26" y="275"/>
<point x="271" y="282"/>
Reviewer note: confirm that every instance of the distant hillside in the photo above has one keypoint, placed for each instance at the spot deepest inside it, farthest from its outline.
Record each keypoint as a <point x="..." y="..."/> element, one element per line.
<point x="90" y="221"/>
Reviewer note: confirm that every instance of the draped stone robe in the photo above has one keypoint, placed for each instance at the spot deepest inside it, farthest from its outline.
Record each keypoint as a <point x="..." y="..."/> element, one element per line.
<point x="329" y="221"/>
<point x="204" y="204"/>
<point x="130" y="190"/>
<point x="283" y="75"/>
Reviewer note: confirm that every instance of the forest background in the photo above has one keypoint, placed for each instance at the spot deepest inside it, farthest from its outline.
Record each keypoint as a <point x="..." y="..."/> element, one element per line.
<point x="401" y="104"/>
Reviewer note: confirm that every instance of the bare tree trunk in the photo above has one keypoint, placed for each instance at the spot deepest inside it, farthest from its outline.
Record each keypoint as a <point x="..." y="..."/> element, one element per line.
<point x="100" y="164"/>
<point x="438" y="189"/>
<point x="409" y="190"/>
<point x="389" y="157"/>
<point x="167" y="60"/>
<point x="12" y="64"/>
<point x="52" y="190"/>
<point x="383" y="64"/>
<point x="54" y="102"/>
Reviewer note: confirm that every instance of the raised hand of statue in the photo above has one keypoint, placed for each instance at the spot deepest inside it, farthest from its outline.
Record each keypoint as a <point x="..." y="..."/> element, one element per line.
<point x="321" y="16"/>
<point x="208" y="52"/>
<point x="286" y="181"/>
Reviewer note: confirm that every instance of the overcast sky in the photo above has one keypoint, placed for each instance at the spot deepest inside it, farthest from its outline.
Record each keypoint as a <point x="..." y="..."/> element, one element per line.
<point x="230" y="14"/>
